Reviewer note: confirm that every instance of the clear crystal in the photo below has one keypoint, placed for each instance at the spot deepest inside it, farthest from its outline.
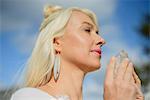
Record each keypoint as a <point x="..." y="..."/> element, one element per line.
<point x="120" y="57"/>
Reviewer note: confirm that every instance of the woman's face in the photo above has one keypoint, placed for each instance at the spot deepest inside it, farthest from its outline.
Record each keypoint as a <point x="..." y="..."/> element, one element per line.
<point x="81" y="42"/>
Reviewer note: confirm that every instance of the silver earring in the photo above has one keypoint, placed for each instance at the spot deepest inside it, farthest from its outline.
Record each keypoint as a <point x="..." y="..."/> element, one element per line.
<point x="56" y="67"/>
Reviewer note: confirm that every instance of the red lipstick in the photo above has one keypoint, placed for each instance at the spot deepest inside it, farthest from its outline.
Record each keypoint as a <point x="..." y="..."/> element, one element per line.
<point x="97" y="50"/>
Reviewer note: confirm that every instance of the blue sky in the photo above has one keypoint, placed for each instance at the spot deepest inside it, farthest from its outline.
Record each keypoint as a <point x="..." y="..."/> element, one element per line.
<point x="118" y="20"/>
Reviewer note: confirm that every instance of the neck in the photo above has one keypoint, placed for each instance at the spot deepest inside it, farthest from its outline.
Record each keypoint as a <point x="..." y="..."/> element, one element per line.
<point x="69" y="83"/>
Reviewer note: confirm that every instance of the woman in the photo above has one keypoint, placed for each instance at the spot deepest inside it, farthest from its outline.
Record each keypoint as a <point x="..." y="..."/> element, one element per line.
<point x="67" y="48"/>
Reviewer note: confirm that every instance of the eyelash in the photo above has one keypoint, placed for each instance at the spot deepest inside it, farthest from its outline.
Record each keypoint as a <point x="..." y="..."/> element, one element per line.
<point x="88" y="30"/>
<point x="97" y="32"/>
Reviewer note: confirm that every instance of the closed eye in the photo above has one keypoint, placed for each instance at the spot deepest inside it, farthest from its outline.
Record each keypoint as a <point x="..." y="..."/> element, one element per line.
<point x="88" y="30"/>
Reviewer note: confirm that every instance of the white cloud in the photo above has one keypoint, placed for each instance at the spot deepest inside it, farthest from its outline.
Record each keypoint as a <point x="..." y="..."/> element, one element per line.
<point x="17" y="14"/>
<point x="15" y="25"/>
<point x="103" y="8"/>
<point x="24" y="42"/>
<point x="2" y="86"/>
<point x="21" y="16"/>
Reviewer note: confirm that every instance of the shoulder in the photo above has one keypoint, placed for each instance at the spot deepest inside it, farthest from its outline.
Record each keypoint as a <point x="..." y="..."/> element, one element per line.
<point x="30" y="94"/>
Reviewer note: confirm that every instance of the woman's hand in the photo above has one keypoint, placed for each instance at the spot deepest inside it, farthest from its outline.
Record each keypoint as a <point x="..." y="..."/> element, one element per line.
<point x="139" y="95"/>
<point x="126" y="85"/>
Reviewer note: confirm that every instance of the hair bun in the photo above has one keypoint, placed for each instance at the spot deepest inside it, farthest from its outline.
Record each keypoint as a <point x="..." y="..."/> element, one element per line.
<point x="49" y="9"/>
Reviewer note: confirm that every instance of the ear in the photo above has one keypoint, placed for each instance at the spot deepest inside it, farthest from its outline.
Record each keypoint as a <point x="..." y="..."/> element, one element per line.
<point x="57" y="42"/>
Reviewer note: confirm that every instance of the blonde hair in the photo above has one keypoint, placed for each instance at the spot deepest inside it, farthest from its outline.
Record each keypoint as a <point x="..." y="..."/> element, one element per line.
<point x="40" y="64"/>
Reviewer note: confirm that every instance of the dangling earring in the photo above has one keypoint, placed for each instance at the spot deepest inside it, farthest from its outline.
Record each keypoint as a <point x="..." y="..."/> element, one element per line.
<point x="56" y="67"/>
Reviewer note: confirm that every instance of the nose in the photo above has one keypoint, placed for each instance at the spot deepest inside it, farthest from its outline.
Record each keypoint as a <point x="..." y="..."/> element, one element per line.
<point x="99" y="41"/>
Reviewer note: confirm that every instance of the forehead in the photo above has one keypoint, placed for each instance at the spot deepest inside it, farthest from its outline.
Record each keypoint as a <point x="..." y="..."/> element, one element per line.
<point x="78" y="17"/>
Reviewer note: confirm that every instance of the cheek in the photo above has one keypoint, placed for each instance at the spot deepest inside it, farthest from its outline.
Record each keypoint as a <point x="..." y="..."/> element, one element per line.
<point x="77" y="45"/>
<point x="76" y="49"/>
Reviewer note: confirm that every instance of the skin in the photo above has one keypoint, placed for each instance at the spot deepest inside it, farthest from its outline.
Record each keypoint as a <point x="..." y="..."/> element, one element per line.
<point x="126" y="86"/>
<point x="74" y="49"/>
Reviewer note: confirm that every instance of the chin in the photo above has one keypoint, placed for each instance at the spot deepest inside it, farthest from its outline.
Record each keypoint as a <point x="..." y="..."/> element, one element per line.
<point x="94" y="68"/>
<point x="97" y="67"/>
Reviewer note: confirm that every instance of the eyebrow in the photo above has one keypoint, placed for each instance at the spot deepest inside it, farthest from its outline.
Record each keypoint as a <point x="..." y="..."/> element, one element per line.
<point x="88" y="24"/>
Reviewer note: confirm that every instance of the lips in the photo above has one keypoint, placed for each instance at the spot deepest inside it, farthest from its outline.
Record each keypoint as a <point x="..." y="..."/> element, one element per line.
<point x="97" y="51"/>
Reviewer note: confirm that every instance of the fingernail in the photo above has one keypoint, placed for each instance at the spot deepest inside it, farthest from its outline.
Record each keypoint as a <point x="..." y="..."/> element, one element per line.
<point x="113" y="57"/>
<point x="126" y="59"/>
<point x="130" y="64"/>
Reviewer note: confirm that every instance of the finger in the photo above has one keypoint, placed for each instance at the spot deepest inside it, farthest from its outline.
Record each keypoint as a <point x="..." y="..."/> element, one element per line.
<point x="132" y="79"/>
<point x="128" y="74"/>
<point x="110" y="70"/>
<point x="139" y="93"/>
<point x="136" y="79"/>
<point x="122" y="69"/>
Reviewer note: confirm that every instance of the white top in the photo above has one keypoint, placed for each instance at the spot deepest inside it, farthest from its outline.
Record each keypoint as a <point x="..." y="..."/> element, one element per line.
<point x="29" y="93"/>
